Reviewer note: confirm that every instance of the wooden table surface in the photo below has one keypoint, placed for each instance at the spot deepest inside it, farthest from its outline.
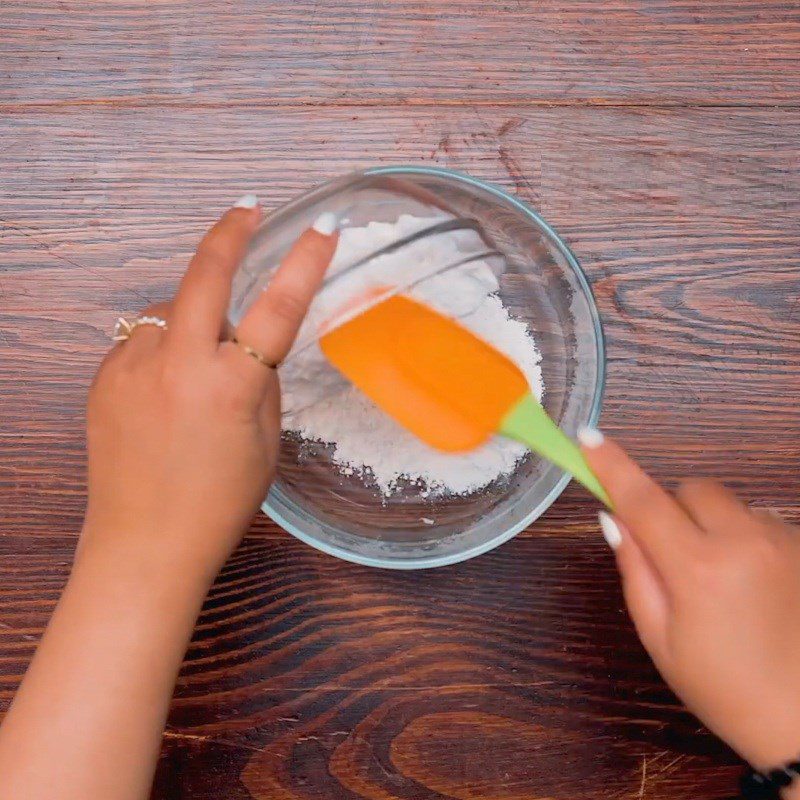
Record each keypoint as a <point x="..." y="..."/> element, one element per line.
<point x="660" y="137"/>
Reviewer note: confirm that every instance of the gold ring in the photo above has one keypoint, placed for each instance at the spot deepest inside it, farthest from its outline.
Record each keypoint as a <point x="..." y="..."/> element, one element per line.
<point x="123" y="328"/>
<point x="255" y="354"/>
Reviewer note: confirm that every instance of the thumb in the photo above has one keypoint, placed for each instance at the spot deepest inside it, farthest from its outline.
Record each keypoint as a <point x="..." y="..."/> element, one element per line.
<point x="644" y="589"/>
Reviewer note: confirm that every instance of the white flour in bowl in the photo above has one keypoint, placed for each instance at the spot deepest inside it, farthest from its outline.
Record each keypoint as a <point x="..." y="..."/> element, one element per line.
<point x="320" y="406"/>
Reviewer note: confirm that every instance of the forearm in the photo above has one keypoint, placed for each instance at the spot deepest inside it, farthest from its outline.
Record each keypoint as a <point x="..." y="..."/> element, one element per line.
<point x="88" y="718"/>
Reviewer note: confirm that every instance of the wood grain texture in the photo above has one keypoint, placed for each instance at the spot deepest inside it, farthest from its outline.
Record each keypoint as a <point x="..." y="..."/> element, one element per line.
<point x="309" y="677"/>
<point x="698" y="286"/>
<point x="658" y="136"/>
<point x="406" y="52"/>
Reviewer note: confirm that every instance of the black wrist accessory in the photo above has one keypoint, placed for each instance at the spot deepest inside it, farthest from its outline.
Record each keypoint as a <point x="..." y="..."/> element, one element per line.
<point x="768" y="785"/>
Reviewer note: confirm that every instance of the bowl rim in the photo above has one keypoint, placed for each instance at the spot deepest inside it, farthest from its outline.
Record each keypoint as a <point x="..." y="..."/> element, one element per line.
<point x="431" y="562"/>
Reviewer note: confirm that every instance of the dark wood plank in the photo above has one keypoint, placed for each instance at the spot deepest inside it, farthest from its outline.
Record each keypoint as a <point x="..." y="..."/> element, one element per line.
<point x="406" y="52"/>
<point x="309" y="677"/>
<point x="698" y="285"/>
<point x="141" y="180"/>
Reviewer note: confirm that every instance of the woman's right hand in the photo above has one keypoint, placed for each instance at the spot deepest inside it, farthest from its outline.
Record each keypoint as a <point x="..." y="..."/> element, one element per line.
<point x="713" y="588"/>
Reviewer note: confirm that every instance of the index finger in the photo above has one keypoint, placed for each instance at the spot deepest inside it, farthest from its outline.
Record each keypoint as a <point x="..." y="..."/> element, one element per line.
<point x="653" y="516"/>
<point x="202" y="300"/>
<point x="271" y="323"/>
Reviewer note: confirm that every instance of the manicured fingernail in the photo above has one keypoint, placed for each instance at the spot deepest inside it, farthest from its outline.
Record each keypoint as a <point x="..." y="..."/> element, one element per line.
<point x="611" y="532"/>
<point x="246" y="201"/>
<point x="590" y="437"/>
<point x="326" y="223"/>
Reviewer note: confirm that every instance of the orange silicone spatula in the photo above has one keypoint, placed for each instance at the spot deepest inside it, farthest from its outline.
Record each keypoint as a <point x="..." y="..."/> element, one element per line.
<point x="446" y="385"/>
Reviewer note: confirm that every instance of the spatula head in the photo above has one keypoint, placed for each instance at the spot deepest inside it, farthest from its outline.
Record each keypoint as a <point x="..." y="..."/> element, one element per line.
<point x="432" y="375"/>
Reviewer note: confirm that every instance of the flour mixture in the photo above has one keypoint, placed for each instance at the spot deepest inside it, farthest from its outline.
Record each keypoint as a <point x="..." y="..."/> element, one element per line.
<point x="320" y="406"/>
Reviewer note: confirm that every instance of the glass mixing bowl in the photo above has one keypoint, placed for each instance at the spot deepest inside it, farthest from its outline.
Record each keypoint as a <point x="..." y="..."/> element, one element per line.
<point x="540" y="282"/>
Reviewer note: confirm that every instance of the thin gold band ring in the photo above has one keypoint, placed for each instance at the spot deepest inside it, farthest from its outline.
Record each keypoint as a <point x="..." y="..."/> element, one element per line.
<point x="255" y="354"/>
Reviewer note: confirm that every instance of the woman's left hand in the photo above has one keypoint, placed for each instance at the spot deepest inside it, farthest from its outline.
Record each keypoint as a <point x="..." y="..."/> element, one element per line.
<point x="183" y="424"/>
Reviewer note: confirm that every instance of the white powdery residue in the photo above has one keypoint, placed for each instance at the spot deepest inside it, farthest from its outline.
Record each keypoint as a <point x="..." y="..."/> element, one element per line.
<point x="322" y="407"/>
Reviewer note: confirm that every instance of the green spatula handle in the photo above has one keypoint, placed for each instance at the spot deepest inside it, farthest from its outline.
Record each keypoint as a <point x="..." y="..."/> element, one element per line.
<point x="529" y="423"/>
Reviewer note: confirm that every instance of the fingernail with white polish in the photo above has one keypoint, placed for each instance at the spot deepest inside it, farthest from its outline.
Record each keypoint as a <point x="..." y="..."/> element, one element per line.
<point x="326" y="223"/>
<point x="611" y="532"/>
<point x="590" y="437"/>
<point x="246" y="201"/>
